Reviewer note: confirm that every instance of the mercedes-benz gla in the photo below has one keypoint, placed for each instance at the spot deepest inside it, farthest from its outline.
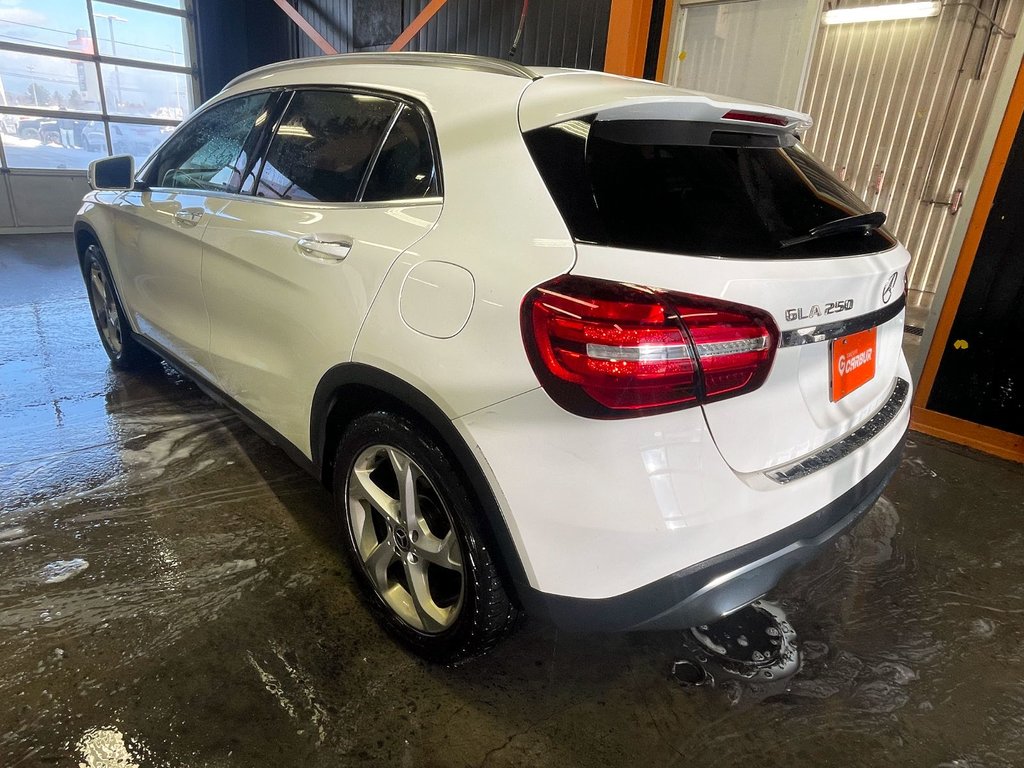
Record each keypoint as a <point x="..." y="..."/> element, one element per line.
<point x="612" y="353"/>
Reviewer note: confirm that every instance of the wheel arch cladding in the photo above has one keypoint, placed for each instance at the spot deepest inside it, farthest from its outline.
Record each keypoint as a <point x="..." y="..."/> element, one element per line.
<point x="350" y="390"/>
<point x="84" y="237"/>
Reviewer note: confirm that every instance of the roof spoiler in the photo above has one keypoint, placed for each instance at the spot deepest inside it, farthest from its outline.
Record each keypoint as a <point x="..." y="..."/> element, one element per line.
<point x="752" y="117"/>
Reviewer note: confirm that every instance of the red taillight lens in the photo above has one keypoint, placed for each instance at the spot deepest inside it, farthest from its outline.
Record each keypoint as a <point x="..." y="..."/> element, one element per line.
<point x="606" y="349"/>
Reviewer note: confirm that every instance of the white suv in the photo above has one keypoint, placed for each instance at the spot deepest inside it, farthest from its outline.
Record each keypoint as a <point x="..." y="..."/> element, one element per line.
<point x="613" y="353"/>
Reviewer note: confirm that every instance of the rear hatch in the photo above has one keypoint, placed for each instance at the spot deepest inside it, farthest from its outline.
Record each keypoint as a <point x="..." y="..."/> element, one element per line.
<point x="717" y="199"/>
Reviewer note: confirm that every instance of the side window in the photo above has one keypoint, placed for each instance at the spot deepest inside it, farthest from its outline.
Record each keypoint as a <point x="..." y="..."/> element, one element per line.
<point x="405" y="168"/>
<point x="204" y="154"/>
<point x="323" y="145"/>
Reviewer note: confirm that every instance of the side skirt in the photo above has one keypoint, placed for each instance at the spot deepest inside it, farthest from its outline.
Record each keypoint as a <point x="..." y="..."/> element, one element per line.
<point x="253" y="421"/>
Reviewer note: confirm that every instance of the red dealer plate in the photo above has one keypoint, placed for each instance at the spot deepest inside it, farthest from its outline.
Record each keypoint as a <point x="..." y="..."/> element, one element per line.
<point x="852" y="361"/>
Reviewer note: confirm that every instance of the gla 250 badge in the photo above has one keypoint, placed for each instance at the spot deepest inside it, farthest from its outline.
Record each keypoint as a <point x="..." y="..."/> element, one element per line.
<point x="819" y="310"/>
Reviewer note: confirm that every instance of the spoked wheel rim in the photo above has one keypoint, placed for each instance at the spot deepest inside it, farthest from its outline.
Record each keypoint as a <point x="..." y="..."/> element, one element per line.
<point x="404" y="536"/>
<point x="104" y="308"/>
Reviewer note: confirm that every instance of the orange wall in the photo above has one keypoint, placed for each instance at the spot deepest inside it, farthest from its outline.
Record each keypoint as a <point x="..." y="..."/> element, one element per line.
<point x="628" y="26"/>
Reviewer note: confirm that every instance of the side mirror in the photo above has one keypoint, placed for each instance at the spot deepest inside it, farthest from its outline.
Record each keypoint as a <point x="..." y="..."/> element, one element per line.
<point x="112" y="172"/>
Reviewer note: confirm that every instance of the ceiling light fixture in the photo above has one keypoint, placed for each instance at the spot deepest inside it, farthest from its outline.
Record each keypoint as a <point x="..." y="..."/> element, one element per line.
<point x="890" y="12"/>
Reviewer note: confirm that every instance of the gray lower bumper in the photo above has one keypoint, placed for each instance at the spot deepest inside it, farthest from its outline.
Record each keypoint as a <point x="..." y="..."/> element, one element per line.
<point x="711" y="589"/>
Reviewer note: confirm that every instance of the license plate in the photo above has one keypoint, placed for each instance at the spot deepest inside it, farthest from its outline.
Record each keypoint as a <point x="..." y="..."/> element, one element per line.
<point x="853" y="362"/>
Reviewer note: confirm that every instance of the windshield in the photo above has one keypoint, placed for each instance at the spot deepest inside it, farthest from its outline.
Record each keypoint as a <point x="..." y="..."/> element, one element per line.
<point x="709" y="192"/>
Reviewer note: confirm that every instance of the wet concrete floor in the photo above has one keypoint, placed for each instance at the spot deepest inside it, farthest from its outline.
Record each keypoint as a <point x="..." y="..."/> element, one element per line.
<point x="172" y="594"/>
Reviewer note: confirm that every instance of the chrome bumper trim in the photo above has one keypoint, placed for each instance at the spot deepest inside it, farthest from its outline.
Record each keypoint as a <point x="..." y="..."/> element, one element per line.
<point x="826" y="331"/>
<point x="843" y="447"/>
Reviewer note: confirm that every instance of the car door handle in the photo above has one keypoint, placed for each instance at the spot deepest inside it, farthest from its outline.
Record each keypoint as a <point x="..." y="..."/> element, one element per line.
<point x="188" y="217"/>
<point x="312" y="247"/>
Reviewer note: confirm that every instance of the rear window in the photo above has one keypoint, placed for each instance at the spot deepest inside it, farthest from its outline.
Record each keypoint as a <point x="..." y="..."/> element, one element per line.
<point x="323" y="146"/>
<point x="695" y="188"/>
<point x="405" y="167"/>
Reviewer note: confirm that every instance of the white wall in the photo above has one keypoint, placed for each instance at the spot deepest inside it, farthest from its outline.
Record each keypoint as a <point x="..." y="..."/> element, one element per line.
<point x="899" y="110"/>
<point x="757" y="50"/>
<point x="40" y="201"/>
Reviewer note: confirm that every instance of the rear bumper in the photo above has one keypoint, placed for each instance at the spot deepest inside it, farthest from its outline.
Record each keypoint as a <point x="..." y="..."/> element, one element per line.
<point x="708" y="590"/>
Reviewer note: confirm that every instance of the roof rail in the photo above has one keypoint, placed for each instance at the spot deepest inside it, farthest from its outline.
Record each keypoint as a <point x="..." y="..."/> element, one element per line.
<point x="406" y="58"/>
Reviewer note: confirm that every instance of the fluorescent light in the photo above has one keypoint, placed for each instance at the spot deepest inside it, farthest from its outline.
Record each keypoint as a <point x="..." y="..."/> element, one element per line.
<point x="889" y="12"/>
<point x="294" y="130"/>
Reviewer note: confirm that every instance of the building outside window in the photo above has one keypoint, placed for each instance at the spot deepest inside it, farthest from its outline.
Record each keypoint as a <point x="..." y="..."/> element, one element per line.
<point x="83" y="79"/>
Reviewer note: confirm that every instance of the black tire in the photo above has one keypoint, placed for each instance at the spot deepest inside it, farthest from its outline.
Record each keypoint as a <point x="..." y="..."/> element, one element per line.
<point x="121" y="346"/>
<point x="482" y="614"/>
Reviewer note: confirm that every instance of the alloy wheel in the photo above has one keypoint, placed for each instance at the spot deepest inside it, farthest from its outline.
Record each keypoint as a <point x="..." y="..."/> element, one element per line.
<point x="104" y="307"/>
<point x="404" y="535"/>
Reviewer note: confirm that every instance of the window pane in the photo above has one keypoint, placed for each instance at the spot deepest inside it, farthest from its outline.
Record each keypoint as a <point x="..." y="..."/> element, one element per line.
<point x="146" y="92"/>
<point x="139" y="141"/>
<point x="51" y="23"/>
<point x="203" y="154"/>
<point x="129" y="33"/>
<point x="46" y="82"/>
<point x="322" y="148"/>
<point x="642" y="195"/>
<point x="405" y="167"/>
<point x="51" y="141"/>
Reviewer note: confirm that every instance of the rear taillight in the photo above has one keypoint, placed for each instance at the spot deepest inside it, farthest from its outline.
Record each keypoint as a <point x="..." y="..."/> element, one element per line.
<point x="756" y="117"/>
<point x="611" y="350"/>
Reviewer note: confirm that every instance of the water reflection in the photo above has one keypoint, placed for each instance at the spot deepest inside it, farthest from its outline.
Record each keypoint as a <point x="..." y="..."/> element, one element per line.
<point x="107" y="748"/>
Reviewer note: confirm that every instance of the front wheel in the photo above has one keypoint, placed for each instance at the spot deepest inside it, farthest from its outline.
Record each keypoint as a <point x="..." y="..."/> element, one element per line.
<point x="412" y="533"/>
<point x="124" y="351"/>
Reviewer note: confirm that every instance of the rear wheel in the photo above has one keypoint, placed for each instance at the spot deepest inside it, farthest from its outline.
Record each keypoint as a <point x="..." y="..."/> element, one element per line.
<point x="411" y="531"/>
<point x="124" y="351"/>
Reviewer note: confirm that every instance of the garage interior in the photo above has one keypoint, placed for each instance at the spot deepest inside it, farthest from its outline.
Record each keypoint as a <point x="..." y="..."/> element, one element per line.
<point x="171" y="589"/>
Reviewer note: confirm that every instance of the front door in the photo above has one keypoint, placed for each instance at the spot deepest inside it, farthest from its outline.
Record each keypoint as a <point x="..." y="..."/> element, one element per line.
<point x="159" y="239"/>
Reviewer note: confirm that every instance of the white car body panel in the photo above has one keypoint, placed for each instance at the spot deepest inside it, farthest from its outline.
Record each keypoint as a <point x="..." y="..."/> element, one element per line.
<point x="161" y="283"/>
<point x="659" y="497"/>
<point x="485" y="362"/>
<point x="280" y="318"/>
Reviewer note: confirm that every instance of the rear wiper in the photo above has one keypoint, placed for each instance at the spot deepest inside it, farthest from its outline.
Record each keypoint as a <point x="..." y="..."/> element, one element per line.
<point x="865" y="224"/>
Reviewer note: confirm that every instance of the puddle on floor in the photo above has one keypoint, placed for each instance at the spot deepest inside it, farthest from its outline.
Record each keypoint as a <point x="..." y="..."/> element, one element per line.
<point x="749" y="655"/>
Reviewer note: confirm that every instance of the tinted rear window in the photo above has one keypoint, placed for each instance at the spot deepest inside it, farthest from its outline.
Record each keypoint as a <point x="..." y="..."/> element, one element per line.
<point x="705" y="193"/>
<point x="405" y="167"/>
<point x="323" y="145"/>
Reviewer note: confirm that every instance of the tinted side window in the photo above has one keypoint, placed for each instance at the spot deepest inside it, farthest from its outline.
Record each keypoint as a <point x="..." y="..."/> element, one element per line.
<point x="732" y="196"/>
<point x="323" y="145"/>
<point x="203" y="154"/>
<point x="405" y="167"/>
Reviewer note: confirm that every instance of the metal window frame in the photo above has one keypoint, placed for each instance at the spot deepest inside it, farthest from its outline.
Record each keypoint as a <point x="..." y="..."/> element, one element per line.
<point x="402" y="100"/>
<point x="141" y="5"/>
<point x="97" y="59"/>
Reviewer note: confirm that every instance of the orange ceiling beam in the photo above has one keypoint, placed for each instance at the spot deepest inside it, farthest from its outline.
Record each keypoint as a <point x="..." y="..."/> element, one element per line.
<point x="319" y="40"/>
<point x="417" y="24"/>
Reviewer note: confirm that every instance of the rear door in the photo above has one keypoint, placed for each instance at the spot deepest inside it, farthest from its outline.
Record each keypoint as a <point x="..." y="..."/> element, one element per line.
<point x="347" y="183"/>
<point x="733" y="208"/>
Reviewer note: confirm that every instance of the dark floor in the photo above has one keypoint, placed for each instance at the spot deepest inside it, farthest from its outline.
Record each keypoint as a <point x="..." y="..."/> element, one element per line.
<point x="171" y="594"/>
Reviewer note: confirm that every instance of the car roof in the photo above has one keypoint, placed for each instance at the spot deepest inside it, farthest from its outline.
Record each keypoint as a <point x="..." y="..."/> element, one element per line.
<point x="448" y="82"/>
<point x="447" y="61"/>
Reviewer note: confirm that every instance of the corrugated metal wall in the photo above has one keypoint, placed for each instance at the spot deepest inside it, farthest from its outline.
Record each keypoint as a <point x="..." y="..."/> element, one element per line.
<point x="561" y="33"/>
<point x="899" y="108"/>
